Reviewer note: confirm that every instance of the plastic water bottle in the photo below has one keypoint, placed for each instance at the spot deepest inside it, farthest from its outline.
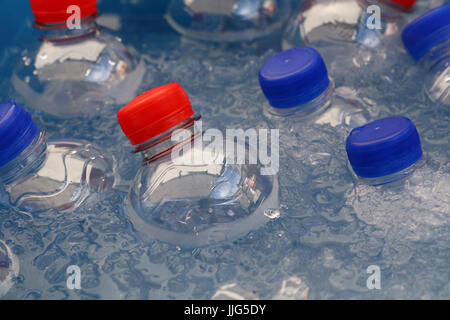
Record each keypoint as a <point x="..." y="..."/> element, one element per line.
<point x="196" y="196"/>
<point x="385" y="150"/>
<point x="37" y="175"/>
<point x="75" y="68"/>
<point x="228" y="20"/>
<point x="322" y="23"/>
<point x="9" y="268"/>
<point x="428" y="41"/>
<point x="401" y="193"/>
<point x="297" y="85"/>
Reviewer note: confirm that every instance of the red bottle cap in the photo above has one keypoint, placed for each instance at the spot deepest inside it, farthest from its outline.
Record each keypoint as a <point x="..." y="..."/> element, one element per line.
<point x="154" y="112"/>
<point x="405" y="3"/>
<point x="55" y="11"/>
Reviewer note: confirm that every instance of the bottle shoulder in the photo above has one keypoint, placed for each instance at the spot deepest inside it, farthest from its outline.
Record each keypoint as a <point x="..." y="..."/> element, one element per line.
<point x="437" y="79"/>
<point x="228" y="20"/>
<point x="335" y="107"/>
<point x="80" y="75"/>
<point x="326" y="22"/>
<point x="42" y="53"/>
<point x="343" y="111"/>
<point x="69" y="172"/>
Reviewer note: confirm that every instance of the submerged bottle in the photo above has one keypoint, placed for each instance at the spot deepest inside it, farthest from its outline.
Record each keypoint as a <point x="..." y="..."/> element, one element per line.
<point x="297" y="85"/>
<point x="9" y="268"/>
<point x="37" y="175"/>
<point x="227" y="20"/>
<point x="77" y="67"/>
<point x="187" y="192"/>
<point x="385" y="150"/>
<point x="427" y="39"/>
<point x="323" y="23"/>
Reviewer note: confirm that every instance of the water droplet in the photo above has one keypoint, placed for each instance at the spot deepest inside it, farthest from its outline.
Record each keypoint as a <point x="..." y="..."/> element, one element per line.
<point x="272" y="213"/>
<point x="26" y="61"/>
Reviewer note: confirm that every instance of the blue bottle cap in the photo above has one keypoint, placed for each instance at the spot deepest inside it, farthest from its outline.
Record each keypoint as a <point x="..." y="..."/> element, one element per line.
<point x="383" y="147"/>
<point x="17" y="131"/>
<point x="427" y="31"/>
<point x="293" y="77"/>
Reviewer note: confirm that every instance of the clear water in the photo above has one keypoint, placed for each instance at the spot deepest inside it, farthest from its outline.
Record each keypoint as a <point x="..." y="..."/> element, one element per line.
<point x="329" y="229"/>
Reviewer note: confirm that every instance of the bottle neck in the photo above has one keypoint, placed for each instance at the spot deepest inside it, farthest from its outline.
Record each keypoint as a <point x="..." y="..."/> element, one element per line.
<point x="28" y="161"/>
<point x="437" y="56"/>
<point x="161" y="146"/>
<point x="314" y="107"/>
<point x="63" y="32"/>
<point x="394" y="177"/>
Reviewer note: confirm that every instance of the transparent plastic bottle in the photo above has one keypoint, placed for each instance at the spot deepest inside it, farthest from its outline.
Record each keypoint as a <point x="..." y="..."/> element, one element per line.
<point x="322" y="23"/>
<point x="37" y="175"/>
<point x="71" y="71"/>
<point x="228" y="20"/>
<point x="385" y="150"/>
<point x="9" y="268"/>
<point x="297" y="86"/>
<point x="427" y="39"/>
<point x="196" y="196"/>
